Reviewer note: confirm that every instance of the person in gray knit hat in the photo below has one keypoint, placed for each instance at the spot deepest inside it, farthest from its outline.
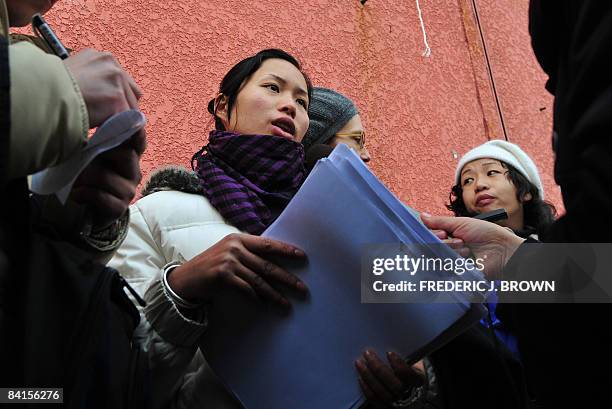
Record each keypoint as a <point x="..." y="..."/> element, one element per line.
<point x="334" y="119"/>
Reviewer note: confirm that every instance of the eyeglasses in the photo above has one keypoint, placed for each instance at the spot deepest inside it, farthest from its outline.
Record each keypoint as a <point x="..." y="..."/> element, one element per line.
<point x="359" y="136"/>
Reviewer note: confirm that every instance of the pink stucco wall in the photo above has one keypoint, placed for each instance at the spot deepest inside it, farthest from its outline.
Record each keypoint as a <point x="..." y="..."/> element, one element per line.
<point x="419" y="112"/>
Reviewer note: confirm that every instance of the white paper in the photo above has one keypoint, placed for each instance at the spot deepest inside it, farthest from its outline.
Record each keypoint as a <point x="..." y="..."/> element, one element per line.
<point x="112" y="133"/>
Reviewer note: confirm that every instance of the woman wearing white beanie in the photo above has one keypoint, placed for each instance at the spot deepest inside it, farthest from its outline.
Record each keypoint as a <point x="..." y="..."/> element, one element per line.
<point x="499" y="174"/>
<point x="477" y="370"/>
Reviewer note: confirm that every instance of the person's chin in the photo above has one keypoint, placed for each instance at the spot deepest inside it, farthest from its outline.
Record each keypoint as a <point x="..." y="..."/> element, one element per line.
<point x="482" y="209"/>
<point x="48" y="6"/>
<point x="23" y="17"/>
<point x="20" y="20"/>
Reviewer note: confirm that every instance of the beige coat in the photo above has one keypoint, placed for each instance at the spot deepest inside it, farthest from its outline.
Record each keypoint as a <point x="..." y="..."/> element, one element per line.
<point x="48" y="123"/>
<point x="48" y="115"/>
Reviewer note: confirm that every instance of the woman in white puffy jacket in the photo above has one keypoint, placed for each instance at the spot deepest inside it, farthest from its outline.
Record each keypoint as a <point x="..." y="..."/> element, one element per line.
<point x="194" y="233"/>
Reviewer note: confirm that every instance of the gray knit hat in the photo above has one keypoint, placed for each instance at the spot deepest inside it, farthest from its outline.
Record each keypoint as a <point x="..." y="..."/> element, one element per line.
<point x="329" y="111"/>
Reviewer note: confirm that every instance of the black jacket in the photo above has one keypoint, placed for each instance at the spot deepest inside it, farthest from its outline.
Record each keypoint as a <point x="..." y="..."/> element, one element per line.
<point x="14" y="238"/>
<point x="65" y="320"/>
<point x="566" y="347"/>
<point x="572" y="41"/>
<point x="475" y="371"/>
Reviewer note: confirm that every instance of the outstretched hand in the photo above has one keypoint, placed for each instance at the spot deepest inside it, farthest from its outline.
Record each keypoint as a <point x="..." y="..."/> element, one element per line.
<point x="489" y="242"/>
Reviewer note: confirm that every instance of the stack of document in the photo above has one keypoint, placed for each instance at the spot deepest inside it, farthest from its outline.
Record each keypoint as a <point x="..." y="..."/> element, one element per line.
<point x="305" y="359"/>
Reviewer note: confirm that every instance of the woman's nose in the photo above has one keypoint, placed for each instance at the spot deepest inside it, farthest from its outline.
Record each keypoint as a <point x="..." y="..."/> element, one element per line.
<point x="365" y="155"/>
<point x="288" y="106"/>
<point x="480" y="185"/>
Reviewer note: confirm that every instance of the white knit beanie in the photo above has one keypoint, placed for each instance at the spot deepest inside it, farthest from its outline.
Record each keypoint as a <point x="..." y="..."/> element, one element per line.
<point x="506" y="152"/>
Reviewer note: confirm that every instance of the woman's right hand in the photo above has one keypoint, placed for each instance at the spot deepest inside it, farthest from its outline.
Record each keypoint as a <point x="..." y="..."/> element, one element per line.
<point x="239" y="261"/>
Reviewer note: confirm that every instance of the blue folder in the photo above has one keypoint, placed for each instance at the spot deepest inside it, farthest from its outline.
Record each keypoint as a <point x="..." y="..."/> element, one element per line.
<point x="305" y="359"/>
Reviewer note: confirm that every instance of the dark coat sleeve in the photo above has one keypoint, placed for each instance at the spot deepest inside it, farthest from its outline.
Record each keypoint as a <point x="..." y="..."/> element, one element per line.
<point x="474" y="371"/>
<point x="5" y="108"/>
<point x="566" y="347"/>
<point x="572" y="41"/>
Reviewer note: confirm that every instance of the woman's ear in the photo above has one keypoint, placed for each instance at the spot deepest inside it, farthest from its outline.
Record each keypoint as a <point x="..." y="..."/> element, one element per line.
<point x="221" y="103"/>
<point x="528" y="196"/>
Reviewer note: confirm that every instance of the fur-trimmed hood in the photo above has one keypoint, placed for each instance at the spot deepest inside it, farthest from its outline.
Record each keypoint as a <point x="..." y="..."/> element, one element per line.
<point x="172" y="178"/>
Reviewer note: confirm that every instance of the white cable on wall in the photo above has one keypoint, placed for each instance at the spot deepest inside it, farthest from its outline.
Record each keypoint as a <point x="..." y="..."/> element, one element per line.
<point x="427" y="51"/>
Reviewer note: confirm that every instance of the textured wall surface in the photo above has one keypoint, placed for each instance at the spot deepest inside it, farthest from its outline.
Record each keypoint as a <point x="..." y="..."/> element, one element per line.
<point x="527" y="108"/>
<point x="419" y="112"/>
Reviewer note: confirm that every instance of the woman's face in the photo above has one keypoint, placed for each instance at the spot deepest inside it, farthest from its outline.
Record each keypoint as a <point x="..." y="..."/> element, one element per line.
<point x="273" y="101"/>
<point x="486" y="186"/>
<point x="352" y="134"/>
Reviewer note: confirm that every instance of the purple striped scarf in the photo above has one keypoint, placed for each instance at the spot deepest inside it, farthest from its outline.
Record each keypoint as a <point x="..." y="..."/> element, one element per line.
<point x="243" y="176"/>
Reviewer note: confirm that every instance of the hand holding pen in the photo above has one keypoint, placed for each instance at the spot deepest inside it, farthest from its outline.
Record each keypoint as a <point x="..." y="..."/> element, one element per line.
<point x="108" y="184"/>
<point x="106" y="87"/>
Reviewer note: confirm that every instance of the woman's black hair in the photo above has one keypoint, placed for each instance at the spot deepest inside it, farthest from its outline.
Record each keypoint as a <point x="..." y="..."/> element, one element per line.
<point x="538" y="214"/>
<point x="241" y="72"/>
